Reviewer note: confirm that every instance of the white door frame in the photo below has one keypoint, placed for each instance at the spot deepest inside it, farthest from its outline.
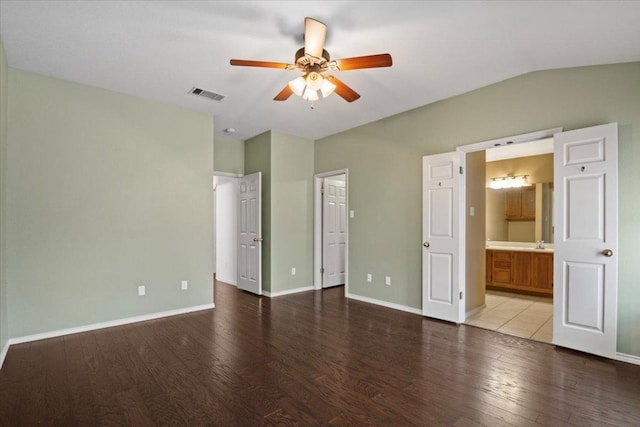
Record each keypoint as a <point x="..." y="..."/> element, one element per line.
<point x="317" y="227"/>
<point x="462" y="199"/>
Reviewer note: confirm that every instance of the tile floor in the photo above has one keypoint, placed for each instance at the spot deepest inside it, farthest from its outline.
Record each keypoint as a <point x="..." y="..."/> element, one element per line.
<point x="513" y="314"/>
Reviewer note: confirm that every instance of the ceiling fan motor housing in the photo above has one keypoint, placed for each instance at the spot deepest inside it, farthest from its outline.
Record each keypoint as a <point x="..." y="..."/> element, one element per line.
<point x="307" y="63"/>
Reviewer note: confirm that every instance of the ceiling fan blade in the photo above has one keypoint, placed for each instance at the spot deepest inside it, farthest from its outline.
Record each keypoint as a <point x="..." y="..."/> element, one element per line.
<point x="314" y="36"/>
<point x="284" y="94"/>
<point x="264" y="64"/>
<point x="370" y="61"/>
<point x="343" y="90"/>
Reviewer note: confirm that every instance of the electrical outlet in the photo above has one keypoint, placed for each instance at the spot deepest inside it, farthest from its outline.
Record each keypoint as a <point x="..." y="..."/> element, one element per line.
<point x="369" y="278"/>
<point x="185" y="285"/>
<point x="293" y="271"/>
<point x="141" y="290"/>
<point x="387" y="280"/>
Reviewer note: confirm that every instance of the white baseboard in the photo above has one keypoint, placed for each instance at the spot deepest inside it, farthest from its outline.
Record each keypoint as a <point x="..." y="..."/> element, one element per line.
<point x="228" y="282"/>
<point x="287" y="292"/>
<point x="474" y="311"/>
<point x="628" y="358"/>
<point x="4" y="352"/>
<point x="385" y="304"/>
<point x="109" y="324"/>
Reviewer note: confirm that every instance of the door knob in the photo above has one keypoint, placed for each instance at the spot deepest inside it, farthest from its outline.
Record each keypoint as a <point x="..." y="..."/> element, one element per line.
<point x="607" y="252"/>
<point x="426" y="244"/>
<point x="257" y="239"/>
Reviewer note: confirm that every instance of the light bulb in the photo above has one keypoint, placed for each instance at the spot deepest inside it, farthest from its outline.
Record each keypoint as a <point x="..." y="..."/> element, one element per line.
<point x="310" y="95"/>
<point x="297" y="85"/>
<point x="314" y="81"/>
<point x="327" y="88"/>
<point x="495" y="184"/>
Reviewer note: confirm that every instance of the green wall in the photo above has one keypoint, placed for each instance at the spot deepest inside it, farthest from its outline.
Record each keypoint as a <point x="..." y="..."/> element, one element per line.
<point x="385" y="234"/>
<point x="228" y="155"/>
<point x="257" y="158"/>
<point x="286" y="163"/>
<point x="384" y="161"/>
<point x="105" y="192"/>
<point x="4" y="330"/>
<point x="291" y="212"/>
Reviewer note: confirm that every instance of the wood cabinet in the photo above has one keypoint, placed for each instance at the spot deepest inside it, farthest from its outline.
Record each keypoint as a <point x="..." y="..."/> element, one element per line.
<point x="529" y="272"/>
<point x="521" y="266"/>
<point x="542" y="271"/>
<point x="502" y="269"/>
<point x="520" y="204"/>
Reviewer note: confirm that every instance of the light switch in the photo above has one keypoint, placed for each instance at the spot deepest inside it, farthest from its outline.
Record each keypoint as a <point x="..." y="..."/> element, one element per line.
<point x="351" y="214"/>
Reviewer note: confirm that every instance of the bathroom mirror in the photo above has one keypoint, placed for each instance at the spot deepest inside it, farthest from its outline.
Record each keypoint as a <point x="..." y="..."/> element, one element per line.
<point x="520" y="215"/>
<point x="523" y="214"/>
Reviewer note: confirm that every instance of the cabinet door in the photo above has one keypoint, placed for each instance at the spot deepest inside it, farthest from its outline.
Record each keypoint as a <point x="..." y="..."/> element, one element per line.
<point x="521" y="265"/>
<point x="529" y="203"/>
<point x="520" y="204"/>
<point x="502" y="272"/>
<point x="513" y="204"/>
<point x="489" y="267"/>
<point x="542" y="271"/>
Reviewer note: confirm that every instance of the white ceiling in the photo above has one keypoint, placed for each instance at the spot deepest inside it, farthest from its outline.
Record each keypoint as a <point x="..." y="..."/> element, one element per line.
<point x="160" y="50"/>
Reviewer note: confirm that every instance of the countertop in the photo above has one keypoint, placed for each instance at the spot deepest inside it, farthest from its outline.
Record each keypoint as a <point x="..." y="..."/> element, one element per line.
<point x="519" y="247"/>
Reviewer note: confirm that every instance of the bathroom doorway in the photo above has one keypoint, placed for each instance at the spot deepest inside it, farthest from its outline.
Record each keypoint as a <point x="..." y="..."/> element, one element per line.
<point x="519" y="241"/>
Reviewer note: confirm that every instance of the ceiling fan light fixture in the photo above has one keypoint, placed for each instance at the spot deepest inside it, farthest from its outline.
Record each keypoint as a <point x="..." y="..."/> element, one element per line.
<point x="310" y="95"/>
<point x="327" y="88"/>
<point x="298" y="85"/>
<point x="314" y="80"/>
<point x="312" y="60"/>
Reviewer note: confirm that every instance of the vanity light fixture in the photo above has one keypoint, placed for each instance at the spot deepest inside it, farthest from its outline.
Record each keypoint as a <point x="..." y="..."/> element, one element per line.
<point x="509" y="181"/>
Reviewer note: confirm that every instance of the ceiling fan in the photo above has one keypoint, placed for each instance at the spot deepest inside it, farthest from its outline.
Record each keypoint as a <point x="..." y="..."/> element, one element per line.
<point x="313" y="60"/>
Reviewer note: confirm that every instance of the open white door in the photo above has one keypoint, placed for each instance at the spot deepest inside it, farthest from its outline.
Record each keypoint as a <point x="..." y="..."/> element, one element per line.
<point x="334" y="221"/>
<point x="441" y="293"/>
<point x="586" y="239"/>
<point x="250" y="233"/>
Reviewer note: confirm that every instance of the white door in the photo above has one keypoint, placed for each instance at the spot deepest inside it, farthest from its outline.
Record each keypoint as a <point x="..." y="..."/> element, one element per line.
<point x="250" y="233"/>
<point x="586" y="239"/>
<point x="334" y="217"/>
<point x="441" y="293"/>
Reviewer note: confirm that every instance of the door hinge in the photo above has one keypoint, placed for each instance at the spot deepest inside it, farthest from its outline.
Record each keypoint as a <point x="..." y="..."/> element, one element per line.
<point x="460" y="295"/>
<point x="322" y="270"/>
<point x="460" y="168"/>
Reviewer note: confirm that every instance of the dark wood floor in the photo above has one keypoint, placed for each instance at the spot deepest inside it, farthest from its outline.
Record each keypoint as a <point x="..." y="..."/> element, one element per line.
<point x="309" y="359"/>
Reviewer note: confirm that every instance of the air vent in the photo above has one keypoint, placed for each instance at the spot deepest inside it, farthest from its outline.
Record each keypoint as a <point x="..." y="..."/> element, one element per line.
<point x="207" y="94"/>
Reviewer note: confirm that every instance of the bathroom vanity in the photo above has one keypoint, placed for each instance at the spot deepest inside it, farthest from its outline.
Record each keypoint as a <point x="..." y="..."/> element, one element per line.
<point x="523" y="267"/>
